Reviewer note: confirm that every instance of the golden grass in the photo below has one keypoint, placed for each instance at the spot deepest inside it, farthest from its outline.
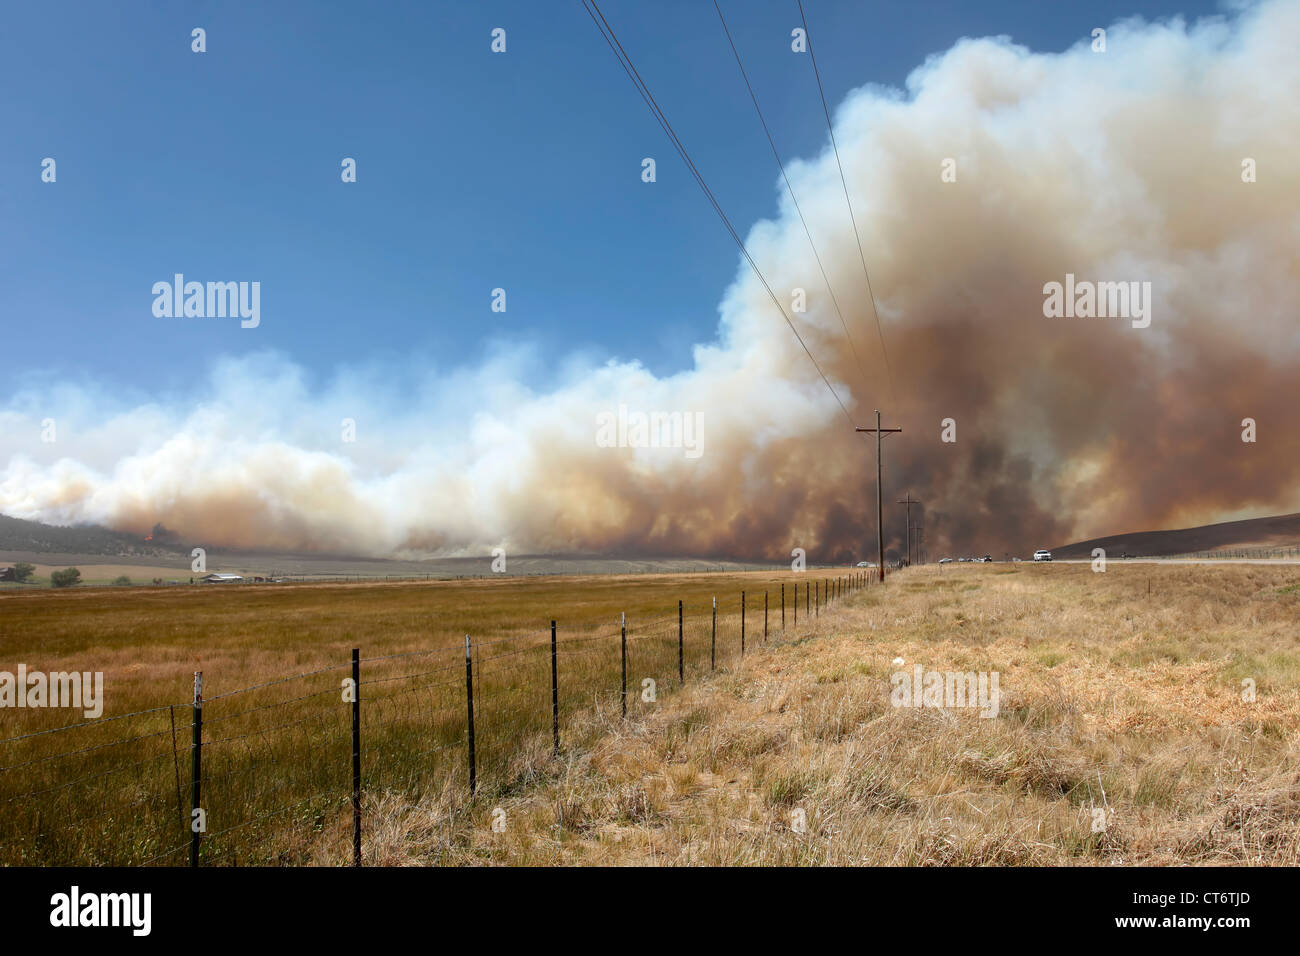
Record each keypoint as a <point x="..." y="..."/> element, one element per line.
<point x="1121" y="700"/>
<point x="276" y="759"/>
<point x="1113" y="701"/>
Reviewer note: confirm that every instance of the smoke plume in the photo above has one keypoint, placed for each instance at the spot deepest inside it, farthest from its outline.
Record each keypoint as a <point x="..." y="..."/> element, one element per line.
<point x="1126" y="165"/>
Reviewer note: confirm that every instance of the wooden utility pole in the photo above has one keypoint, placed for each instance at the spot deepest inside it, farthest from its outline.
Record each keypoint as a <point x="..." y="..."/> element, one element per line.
<point x="880" y="500"/>
<point x="907" y="526"/>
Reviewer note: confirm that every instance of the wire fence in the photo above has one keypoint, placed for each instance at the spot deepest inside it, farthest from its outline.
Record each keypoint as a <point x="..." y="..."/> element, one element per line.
<point x="1289" y="554"/>
<point x="283" y="772"/>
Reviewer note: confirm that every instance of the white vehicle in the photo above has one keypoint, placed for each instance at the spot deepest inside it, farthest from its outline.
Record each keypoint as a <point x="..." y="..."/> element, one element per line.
<point x="945" y="560"/>
<point x="1042" y="556"/>
<point x="865" y="564"/>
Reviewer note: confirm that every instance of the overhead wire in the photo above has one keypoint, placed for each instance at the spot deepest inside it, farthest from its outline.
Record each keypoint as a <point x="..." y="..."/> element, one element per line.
<point x="871" y="295"/>
<point x="790" y="188"/>
<point x="606" y="31"/>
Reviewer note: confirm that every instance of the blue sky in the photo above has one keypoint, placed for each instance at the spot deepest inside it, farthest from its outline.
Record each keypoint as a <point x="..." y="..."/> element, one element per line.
<point x="475" y="170"/>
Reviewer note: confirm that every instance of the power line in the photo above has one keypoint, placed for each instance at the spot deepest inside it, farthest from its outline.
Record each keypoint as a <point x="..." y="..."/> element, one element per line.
<point x="789" y="188"/>
<point x="880" y="481"/>
<point x="847" y="201"/>
<point x="626" y="62"/>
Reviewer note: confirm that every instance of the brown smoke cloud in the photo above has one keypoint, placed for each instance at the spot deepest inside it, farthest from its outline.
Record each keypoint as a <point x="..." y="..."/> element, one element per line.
<point x="1117" y="166"/>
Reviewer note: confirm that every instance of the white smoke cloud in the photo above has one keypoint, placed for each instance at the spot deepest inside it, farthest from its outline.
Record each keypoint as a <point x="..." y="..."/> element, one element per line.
<point x="1122" y="165"/>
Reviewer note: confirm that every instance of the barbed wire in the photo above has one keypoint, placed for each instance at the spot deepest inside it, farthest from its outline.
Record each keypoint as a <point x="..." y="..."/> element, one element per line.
<point x="92" y="776"/>
<point x="505" y="699"/>
<point x="262" y="731"/>
<point x="97" y="722"/>
<point x="209" y="721"/>
<point x="453" y="649"/>
<point x="85" y="750"/>
<point x="273" y="683"/>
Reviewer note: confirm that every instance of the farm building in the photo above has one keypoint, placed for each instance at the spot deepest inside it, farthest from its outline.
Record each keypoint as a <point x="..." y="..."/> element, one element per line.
<point x="221" y="578"/>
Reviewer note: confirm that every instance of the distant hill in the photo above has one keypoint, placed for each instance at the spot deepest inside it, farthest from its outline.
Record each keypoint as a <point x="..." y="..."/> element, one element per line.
<point x="19" y="535"/>
<point x="1279" y="531"/>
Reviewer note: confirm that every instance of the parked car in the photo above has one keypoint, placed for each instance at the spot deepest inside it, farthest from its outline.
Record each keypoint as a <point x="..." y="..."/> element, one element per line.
<point x="1042" y="556"/>
<point x="945" y="560"/>
<point x="987" y="559"/>
<point x="866" y="564"/>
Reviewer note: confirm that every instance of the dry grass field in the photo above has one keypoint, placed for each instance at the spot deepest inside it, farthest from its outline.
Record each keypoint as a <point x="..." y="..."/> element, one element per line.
<point x="1122" y="735"/>
<point x="1121" y="692"/>
<point x="277" y="747"/>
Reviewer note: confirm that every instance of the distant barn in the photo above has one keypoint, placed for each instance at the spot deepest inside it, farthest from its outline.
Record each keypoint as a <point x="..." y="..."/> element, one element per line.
<point x="8" y="574"/>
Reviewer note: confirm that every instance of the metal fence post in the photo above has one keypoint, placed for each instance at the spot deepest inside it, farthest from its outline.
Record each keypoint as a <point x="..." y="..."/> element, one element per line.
<point x="796" y="604"/>
<point x="681" y="663"/>
<point x="817" y="605"/>
<point x="742" y="623"/>
<point x="764" y="616"/>
<point x="713" y="641"/>
<point x="624" y="646"/>
<point x="555" y="694"/>
<point x="356" y="756"/>
<point x="469" y="703"/>
<point x="176" y="766"/>
<point x="196" y="770"/>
